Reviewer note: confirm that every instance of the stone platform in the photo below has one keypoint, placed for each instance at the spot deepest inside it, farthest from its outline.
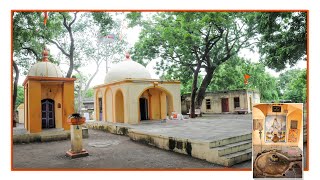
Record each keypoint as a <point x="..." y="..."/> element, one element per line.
<point x="220" y="139"/>
<point x="20" y="135"/>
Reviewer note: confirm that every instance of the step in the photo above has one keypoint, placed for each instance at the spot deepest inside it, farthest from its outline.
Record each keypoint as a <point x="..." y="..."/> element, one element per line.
<point x="233" y="148"/>
<point x="230" y="140"/>
<point x="234" y="158"/>
<point x="56" y="136"/>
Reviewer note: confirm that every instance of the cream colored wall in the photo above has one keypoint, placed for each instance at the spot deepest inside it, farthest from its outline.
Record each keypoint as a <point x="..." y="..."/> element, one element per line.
<point x="26" y="107"/>
<point x="132" y="93"/>
<point x="109" y="102"/>
<point x="163" y="104"/>
<point x="119" y="105"/>
<point x="138" y="89"/>
<point x="21" y="113"/>
<point x="216" y="106"/>
<point x="260" y="111"/>
<point x="155" y="101"/>
<point x="98" y="93"/>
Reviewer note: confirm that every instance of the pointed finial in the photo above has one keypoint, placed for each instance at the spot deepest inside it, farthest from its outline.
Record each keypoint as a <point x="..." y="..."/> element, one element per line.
<point x="45" y="54"/>
<point x="127" y="56"/>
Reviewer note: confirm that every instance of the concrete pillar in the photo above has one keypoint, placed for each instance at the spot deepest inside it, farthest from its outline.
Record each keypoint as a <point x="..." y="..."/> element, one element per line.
<point x="76" y="143"/>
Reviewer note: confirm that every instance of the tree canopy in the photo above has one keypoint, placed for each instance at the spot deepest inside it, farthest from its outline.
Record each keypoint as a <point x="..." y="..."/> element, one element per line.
<point x="190" y="44"/>
<point x="283" y="38"/>
<point x="74" y="34"/>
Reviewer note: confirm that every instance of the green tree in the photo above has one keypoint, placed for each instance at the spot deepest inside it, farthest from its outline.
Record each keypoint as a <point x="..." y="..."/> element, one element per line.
<point x="283" y="38"/>
<point x="293" y="84"/>
<point x="20" y="96"/>
<point x="230" y="76"/>
<point x="89" y="93"/>
<point x="70" y="34"/>
<point x="194" y="41"/>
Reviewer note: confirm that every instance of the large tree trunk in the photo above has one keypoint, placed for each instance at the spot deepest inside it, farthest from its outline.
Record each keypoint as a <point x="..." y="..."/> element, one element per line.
<point x="15" y="89"/>
<point x="202" y="90"/>
<point x="194" y="91"/>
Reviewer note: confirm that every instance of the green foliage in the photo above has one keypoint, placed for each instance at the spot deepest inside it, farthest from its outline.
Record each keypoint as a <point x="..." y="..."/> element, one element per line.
<point x="186" y="40"/>
<point x="135" y="18"/>
<point x="293" y="84"/>
<point x="20" y="96"/>
<point x="283" y="38"/>
<point x="89" y="93"/>
<point x="192" y="43"/>
<point x="104" y="21"/>
<point x="230" y="76"/>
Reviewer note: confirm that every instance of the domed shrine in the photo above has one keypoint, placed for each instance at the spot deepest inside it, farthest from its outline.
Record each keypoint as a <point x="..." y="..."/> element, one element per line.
<point x="49" y="97"/>
<point x="130" y="95"/>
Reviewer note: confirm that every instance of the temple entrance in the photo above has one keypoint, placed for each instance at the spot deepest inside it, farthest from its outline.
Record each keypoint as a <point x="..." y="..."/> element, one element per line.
<point x="119" y="107"/>
<point x="225" y="104"/>
<point x="47" y="111"/>
<point x="100" y="109"/>
<point x="155" y="104"/>
<point x="143" y="109"/>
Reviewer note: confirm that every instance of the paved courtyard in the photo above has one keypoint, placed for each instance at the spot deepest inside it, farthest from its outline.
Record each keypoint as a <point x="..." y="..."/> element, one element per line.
<point x="114" y="151"/>
<point x="110" y="151"/>
<point x="207" y="128"/>
<point x="107" y="151"/>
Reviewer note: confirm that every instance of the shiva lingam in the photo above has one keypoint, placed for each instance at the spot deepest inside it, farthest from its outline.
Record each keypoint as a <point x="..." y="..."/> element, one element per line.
<point x="274" y="158"/>
<point x="75" y="120"/>
<point x="274" y="164"/>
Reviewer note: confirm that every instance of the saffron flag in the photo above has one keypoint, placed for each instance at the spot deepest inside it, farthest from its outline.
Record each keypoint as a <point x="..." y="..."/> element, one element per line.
<point x="45" y="18"/>
<point x="246" y="77"/>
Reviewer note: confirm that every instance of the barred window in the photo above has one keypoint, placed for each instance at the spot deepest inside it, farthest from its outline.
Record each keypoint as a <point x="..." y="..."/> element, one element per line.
<point x="236" y="101"/>
<point x="208" y="104"/>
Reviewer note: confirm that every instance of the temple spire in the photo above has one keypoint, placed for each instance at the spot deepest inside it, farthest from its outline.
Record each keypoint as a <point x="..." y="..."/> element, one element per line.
<point x="128" y="57"/>
<point x="45" y="54"/>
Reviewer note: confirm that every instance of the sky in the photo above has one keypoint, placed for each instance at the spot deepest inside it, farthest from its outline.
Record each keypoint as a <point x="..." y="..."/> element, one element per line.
<point x="132" y="35"/>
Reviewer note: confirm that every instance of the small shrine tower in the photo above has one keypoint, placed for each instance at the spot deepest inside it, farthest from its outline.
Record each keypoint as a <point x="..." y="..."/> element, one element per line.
<point x="49" y="97"/>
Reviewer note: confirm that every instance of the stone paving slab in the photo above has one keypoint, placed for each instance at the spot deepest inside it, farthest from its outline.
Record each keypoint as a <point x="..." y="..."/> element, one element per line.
<point x="205" y="129"/>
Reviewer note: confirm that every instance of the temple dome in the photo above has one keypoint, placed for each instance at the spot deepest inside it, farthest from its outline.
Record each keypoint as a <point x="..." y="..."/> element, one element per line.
<point x="45" y="68"/>
<point x="127" y="69"/>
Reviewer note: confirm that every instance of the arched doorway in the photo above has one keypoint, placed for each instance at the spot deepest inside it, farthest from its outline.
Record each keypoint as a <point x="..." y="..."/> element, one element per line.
<point x="47" y="111"/>
<point x="100" y="108"/>
<point x="119" y="107"/>
<point x="144" y="109"/>
<point x="155" y="104"/>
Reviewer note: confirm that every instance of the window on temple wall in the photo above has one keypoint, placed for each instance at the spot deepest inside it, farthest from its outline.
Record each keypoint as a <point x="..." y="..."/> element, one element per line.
<point x="294" y="124"/>
<point x="236" y="101"/>
<point x="208" y="104"/>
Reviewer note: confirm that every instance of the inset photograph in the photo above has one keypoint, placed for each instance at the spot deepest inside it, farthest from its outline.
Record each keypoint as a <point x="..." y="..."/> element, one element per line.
<point x="277" y="137"/>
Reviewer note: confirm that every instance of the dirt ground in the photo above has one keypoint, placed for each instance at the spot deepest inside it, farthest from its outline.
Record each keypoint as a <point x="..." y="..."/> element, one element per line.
<point x="106" y="151"/>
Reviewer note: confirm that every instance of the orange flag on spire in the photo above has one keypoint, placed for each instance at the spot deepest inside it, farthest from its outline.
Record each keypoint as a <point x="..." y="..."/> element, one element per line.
<point x="246" y="77"/>
<point x="45" y="18"/>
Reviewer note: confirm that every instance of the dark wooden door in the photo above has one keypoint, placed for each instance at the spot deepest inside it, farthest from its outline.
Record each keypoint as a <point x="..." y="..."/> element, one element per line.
<point x="100" y="109"/>
<point x="225" y="104"/>
<point x="47" y="109"/>
<point x="143" y="108"/>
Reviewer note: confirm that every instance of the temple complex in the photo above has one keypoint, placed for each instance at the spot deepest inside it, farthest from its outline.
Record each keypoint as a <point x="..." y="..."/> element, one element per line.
<point x="130" y="95"/>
